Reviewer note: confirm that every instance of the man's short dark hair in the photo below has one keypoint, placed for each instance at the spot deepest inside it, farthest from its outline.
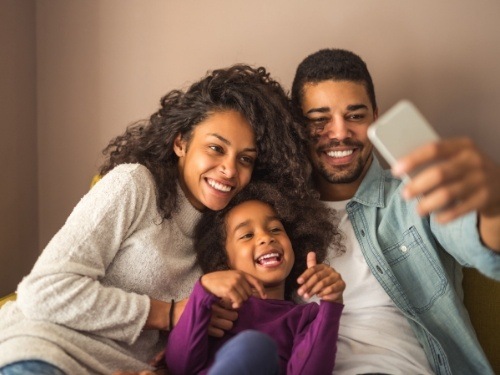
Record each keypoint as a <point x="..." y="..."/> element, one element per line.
<point x="331" y="64"/>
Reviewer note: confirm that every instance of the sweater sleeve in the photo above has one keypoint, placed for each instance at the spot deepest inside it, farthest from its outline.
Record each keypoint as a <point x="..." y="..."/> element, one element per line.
<point x="315" y="342"/>
<point x="64" y="286"/>
<point x="187" y="347"/>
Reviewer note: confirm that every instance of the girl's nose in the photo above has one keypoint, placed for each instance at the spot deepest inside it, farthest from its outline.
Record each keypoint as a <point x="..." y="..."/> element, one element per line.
<point x="264" y="238"/>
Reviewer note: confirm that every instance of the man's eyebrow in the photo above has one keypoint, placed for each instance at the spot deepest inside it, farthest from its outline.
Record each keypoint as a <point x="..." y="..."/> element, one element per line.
<point x="318" y="110"/>
<point x="354" y="107"/>
<point x="227" y="142"/>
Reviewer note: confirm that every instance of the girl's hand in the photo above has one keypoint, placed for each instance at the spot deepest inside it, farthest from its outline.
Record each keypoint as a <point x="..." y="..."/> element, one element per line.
<point x="234" y="286"/>
<point x="321" y="280"/>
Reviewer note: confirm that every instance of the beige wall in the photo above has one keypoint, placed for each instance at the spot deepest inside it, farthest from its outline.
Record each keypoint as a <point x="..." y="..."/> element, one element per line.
<point x="18" y="150"/>
<point x="103" y="64"/>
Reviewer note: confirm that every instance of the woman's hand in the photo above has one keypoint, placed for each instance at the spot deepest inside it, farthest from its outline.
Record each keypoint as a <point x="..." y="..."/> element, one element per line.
<point x="159" y="314"/>
<point x="320" y="280"/>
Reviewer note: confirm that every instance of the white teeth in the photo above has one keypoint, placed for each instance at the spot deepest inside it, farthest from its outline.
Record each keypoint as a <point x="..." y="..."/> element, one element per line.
<point x="218" y="186"/>
<point x="267" y="256"/>
<point x="339" y="154"/>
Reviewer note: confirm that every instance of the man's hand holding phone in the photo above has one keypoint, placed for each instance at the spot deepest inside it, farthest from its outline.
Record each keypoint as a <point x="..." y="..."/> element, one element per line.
<point x="452" y="177"/>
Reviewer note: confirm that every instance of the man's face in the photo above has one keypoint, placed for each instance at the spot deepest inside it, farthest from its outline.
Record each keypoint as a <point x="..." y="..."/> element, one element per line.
<point x="338" y="113"/>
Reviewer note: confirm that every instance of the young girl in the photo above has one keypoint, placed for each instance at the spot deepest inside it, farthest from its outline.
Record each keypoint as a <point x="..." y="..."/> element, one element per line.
<point x="247" y="251"/>
<point x="98" y="298"/>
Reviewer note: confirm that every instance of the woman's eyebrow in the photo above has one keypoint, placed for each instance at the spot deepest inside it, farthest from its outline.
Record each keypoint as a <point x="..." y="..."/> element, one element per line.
<point x="228" y="142"/>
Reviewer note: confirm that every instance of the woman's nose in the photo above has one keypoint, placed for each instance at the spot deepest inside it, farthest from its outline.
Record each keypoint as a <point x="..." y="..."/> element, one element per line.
<point x="228" y="167"/>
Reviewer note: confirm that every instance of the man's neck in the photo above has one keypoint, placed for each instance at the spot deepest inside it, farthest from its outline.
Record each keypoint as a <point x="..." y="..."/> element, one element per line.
<point x="336" y="192"/>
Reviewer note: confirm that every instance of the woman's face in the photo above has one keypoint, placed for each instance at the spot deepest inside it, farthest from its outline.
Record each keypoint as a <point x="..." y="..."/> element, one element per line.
<point x="257" y="243"/>
<point x="217" y="162"/>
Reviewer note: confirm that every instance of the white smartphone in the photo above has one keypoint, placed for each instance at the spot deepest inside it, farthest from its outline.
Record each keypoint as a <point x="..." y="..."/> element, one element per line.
<point x="399" y="131"/>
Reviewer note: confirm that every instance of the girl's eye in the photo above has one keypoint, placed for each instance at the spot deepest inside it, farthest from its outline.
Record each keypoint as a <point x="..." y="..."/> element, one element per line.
<point x="246" y="236"/>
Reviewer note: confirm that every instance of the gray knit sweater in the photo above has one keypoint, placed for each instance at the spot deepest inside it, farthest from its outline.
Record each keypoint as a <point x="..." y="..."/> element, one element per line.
<point x="84" y="304"/>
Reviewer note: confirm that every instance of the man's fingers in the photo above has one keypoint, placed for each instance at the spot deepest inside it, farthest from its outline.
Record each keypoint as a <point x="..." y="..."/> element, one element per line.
<point x="215" y="332"/>
<point x="428" y="153"/>
<point x="222" y="320"/>
<point x="461" y="167"/>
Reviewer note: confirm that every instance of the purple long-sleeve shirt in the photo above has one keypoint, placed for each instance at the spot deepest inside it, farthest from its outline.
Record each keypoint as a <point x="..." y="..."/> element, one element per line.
<point x="306" y="334"/>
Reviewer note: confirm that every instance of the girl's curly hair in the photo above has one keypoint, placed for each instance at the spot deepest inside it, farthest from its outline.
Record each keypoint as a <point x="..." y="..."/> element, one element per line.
<point x="250" y="91"/>
<point x="309" y="224"/>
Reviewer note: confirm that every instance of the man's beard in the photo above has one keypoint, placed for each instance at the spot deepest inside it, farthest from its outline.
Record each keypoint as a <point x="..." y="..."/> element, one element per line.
<point x="351" y="174"/>
<point x="342" y="174"/>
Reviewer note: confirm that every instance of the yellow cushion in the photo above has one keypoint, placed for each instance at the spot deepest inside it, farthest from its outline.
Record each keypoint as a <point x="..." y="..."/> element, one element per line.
<point x="482" y="299"/>
<point x="95" y="179"/>
<point x="10" y="297"/>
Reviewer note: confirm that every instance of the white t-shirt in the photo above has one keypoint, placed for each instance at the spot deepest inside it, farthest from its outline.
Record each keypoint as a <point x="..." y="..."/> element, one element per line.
<point x="374" y="335"/>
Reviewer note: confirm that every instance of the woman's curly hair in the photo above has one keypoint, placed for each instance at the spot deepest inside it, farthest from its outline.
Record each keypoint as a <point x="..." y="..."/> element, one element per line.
<point x="309" y="224"/>
<point x="250" y="91"/>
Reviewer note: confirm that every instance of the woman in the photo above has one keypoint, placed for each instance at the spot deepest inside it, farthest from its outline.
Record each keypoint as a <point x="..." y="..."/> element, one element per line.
<point x="98" y="299"/>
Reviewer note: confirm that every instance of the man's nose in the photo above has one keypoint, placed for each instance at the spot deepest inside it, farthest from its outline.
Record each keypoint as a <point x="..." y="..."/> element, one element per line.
<point x="337" y="129"/>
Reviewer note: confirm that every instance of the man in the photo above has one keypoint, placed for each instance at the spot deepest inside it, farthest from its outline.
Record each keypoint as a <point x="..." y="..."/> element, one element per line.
<point x="403" y="311"/>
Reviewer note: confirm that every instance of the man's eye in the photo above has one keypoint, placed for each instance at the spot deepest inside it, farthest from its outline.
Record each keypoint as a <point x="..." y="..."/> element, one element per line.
<point x="318" y="120"/>
<point x="317" y="125"/>
<point x="356" y="117"/>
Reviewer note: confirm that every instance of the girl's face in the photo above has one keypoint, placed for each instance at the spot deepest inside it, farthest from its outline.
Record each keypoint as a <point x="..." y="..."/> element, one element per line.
<point x="217" y="162"/>
<point x="257" y="243"/>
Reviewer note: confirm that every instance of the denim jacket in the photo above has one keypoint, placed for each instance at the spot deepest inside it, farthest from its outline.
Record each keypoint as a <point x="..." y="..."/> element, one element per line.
<point x="416" y="260"/>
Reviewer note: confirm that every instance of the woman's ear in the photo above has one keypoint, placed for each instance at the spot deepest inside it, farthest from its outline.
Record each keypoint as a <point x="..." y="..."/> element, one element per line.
<point x="179" y="146"/>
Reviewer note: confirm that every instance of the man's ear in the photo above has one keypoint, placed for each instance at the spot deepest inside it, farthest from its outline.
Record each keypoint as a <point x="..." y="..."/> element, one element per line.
<point x="179" y="146"/>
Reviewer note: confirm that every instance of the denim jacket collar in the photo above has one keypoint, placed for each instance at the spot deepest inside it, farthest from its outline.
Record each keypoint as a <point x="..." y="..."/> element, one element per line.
<point x="371" y="190"/>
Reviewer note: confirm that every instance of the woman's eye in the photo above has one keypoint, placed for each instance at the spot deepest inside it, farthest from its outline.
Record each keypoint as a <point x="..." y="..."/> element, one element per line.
<point x="216" y="148"/>
<point x="247" y="160"/>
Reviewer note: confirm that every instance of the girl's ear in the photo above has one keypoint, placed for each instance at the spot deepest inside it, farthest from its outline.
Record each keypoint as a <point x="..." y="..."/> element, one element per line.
<point x="179" y="146"/>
